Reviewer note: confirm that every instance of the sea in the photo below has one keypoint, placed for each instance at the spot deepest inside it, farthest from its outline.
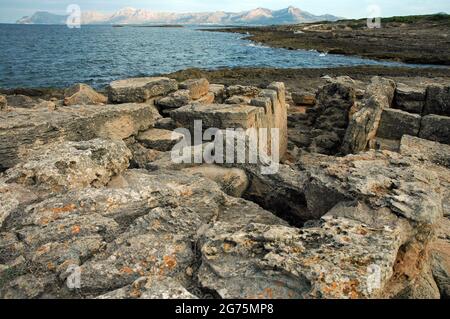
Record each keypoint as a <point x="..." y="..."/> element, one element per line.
<point x="58" y="56"/>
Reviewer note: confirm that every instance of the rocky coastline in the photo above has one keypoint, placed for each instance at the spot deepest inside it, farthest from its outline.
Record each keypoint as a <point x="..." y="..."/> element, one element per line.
<point x="413" y="39"/>
<point x="87" y="183"/>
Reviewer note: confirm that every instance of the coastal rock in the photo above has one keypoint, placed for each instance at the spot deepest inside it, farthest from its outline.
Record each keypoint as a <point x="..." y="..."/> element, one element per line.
<point x="158" y="139"/>
<point x="382" y="179"/>
<point x="438" y="100"/>
<point x="249" y="91"/>
<point x="233" y="181"/>
<point x="440" y="258"/>
<point x="49" y="105"/>
<point x="219" y="92"/>
<point x="82" y="94"/>
<point x="396" y="123"/>
<point x="165" y="123"/>
<point x="329" y="261"/>
<point x="71" y="165"/>
<point x="425" y="151"/>
<point x="304" y="98"/>
<point x="208" y="98"/>
<point x="22" y="101"/>
<point x="151" y="288"/>
<point x="238" y="99"/>
<point x="435" y="128"/>
<point x="140" y="89"/>
<point x="3" y="103"/>
<point x="22" y="128"/>
<point x="364" y="123"/>
<point x="175" y="100"/>
<point x="196" y="87"/>
<point x="409" y="99"/>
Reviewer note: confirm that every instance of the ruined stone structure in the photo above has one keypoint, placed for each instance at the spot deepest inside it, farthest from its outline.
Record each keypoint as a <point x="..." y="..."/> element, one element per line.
<point x="362" y="191"/>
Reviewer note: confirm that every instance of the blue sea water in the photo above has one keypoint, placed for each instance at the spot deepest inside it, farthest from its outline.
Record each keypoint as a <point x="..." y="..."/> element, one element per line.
<point x="56" y="56"/>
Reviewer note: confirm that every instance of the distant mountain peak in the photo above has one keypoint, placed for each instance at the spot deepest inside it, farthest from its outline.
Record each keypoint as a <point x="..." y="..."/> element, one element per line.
<point x="130" y="15"/>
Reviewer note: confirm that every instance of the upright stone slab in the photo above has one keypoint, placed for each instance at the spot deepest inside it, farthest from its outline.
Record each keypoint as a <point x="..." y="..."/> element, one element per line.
<point x="140" y="89"/>
<point x="197" y="87"/>
<point x="268" y="112"/>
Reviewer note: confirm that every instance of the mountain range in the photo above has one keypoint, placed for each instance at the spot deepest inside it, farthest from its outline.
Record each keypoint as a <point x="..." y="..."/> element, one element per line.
<point x="259" y="16"/>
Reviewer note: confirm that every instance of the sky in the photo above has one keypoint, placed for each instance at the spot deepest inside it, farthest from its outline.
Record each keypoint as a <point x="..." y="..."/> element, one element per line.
<point x="12" y="10"/>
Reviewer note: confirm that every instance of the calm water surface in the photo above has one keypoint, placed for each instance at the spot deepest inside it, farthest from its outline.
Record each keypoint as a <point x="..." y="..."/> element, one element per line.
<point x="42" y="56"/>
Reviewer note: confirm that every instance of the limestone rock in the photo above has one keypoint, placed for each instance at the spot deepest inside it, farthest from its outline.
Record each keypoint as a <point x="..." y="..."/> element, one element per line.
<point x="140" y="89"/>
<point x="435" y="128"/>
<point x="22" y="101"/>
<point x="396" y="123"/>
<point x="329" y="261"/>
<point x="238" y="99"/>
<point x="249" y="91"/>
<point x="82" y="94"/>
<point x="72" y="165"/>
<point x="175" y="100"/>
<point x="440" y="258"/>
<point x="219" y="92"/>
<point x="196" y="87"/>
<point x="383" y="179"/>
<point x="166" y="123"/>
<point x="3" y="103"/>
<point x="208" y="98"/>
<point x="20" y="129"/>
<point x="426" y="151"/>
<point x="150" y="288"/>
<point x="233" y="181"/>
<point x="364" y="123"/>
<point x="304" y="98"/>
<point x="158" y="139"/>
<point x="410" y="99"/>
<point x="438" y="100"/>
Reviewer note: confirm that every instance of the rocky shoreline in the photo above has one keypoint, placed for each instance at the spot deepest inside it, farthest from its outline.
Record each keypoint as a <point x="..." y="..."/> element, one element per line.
<point x="359" y="207"/>
<point x="415" y="39"/>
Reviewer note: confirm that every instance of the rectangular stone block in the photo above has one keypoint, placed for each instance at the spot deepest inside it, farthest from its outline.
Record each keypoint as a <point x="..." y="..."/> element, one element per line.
<point x="396" y="123"/>
<point x="435" y="128"/>
<point x="140" y="89"/>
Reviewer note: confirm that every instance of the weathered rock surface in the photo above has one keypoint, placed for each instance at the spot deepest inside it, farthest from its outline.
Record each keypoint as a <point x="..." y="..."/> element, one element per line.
<point x="196" y="87"/>
<point x="22" y="101"/>
<point x="219" y="92"/>
<point x="82" y="94"/>
<point x="3" y="103"/>
<point x="426" y="151"/>
<point x="364" y="123"/>
<point x="249" y="91"/>
<point x="329" y="261"/>
<point x="22" y="128"/>
<point x="175" y="100"/>
<point x="150" y="288"/>
<point x="304" y="98"/>
<point x="160" y="140"/>
<point x="435" y="128"/>
<point x="233" y="181"/>
<point x="410" y="99"/>
<point x="396" y="123"/>
<point x="238" y="99"/>
<point x="440" y="258"/>
<point x="140" y="89"/>
<point x="438" y="100"/>
<point x="71" y="165"/>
